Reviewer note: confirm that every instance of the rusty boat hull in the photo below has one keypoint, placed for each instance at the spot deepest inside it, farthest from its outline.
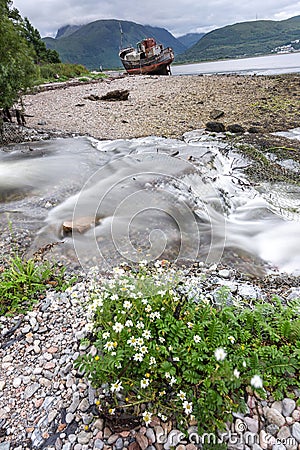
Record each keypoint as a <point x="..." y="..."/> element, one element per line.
<point x="148" y="59"/>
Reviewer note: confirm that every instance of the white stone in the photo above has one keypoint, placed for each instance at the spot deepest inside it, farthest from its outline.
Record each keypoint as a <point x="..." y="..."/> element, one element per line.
<point x="17" y="382"/>
<point x="296" y="431"/>
<point x="288" y="406"/>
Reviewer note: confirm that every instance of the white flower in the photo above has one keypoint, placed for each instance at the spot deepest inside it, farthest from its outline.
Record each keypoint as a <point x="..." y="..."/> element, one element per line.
<point x="155" y="315"/>
<point x="147" y="417"/>
<point x="146" y="334"/>
<point x="143" y="263"/>
<point x="188" y="407"/>
<point x="109" y="346"/>
<point x="231" y="339"/>
<point x="127" y="304"/>
<point x="148" y="308"/>
<point x="152" y="361"/>
<point x="236" y="373"/>
<point x="190" y="325"/>
<point x="163" y="418"/>
<point x="197" y="338"/>
<point x="112" y="411"/>
<point x="176" y="358"/>
<point x="181" y="395"/>
<point x="172" y="381"/>
<point x="116" y="387"/>
<point x="128" y="323"/>
<point x="244" y="364"/>
<point x="105" y="335"/>
<point x="118" y="327"/>
<point x="144" y="383"/>
<point x="140" y="341"/>
<point x="144" y="300"/>
<point x="89" y="326"/>
<point x="138" y="357"/>
<point x="161" y="339"/>
<point x="220" y="354"/>
<point x="132" y="341"/>
<point x="140" y="325"/>
<point x="167" y="375"/>
<point x="162" y="293"/>
<point x="114" y="297"/>
<point x="256" y="382"/>
<point x="118" y="271"/>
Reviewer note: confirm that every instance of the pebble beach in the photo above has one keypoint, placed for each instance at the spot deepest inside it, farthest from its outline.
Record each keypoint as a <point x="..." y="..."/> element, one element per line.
<point x="44" y="401"/>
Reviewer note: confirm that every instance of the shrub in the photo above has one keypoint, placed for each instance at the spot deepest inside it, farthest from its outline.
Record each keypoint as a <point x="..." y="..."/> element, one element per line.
<point x="63" y="71"/>
<point x="23" y="281"/>
<point x="163" y="349"/>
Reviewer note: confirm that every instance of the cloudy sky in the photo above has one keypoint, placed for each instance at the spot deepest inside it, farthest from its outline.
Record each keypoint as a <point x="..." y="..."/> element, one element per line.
<point x="177" y="16"/>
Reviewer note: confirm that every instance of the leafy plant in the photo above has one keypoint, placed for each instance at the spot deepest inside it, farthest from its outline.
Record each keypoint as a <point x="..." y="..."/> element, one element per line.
<point x="23" y="281"/>
<point x="162" y="348"/>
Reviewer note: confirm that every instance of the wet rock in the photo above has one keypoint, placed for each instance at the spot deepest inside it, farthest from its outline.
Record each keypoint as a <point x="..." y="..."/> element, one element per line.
<point x="79" y="225"/>
<point x="235" y="128"/>
<point x="254" y="130"/>
<point x="215" y="127"/>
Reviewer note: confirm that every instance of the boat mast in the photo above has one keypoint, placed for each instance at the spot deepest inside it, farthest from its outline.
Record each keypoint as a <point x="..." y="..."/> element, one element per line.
<point x="121" y="38"/>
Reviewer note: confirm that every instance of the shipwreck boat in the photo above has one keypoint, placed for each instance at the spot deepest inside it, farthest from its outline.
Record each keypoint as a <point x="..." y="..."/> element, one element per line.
<point x="147" y="58"/>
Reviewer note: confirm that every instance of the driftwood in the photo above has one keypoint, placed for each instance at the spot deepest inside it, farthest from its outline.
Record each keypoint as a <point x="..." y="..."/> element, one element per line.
<point x="116" y="95"/>
<point x="112" y="96"/>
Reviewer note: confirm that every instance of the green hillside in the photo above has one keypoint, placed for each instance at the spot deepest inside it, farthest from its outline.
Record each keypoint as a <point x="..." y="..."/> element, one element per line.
<point x="243" y="39"/>
<point x="98" y="43"/>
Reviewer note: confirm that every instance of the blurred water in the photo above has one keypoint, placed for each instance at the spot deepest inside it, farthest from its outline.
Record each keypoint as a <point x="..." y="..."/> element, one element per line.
<point x="148" y="198"/>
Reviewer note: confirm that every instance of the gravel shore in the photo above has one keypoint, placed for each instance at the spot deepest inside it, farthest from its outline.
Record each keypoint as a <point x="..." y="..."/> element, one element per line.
<point x="168" y="106"/>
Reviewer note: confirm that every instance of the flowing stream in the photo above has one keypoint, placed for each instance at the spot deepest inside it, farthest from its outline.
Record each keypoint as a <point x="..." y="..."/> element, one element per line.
<point x="103" y="202"/>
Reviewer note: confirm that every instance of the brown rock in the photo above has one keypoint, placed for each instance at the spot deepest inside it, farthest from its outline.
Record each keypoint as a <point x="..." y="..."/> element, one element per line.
<point x="216" y="114"/>
<point x="142" y="440"/>
<point x="78" y="225"/>
<point x="134" y="446"/>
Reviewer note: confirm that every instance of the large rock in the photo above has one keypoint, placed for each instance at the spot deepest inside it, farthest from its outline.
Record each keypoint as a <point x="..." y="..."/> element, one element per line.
<point x="215" y="127"/>
<point x="274" y="416"/>
<point x="78" y="225"/>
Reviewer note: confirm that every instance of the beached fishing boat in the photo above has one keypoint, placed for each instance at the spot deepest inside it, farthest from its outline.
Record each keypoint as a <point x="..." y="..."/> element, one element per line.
<point x="147" y="58"/>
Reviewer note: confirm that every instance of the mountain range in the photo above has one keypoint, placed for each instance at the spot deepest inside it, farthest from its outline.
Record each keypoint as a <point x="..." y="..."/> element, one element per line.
<point x="98" y="43"/>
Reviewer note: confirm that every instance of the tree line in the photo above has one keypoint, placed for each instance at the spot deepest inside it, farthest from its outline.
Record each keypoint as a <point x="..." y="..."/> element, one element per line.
<point x="21" y="52"/>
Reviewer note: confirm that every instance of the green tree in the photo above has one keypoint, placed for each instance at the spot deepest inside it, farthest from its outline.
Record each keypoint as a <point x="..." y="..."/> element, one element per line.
<point x="33" y="37"/>
<point x="17" y="69"/>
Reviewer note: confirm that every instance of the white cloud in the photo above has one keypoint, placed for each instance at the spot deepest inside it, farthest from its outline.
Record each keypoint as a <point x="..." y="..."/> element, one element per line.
<point x="180" y="17"/>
